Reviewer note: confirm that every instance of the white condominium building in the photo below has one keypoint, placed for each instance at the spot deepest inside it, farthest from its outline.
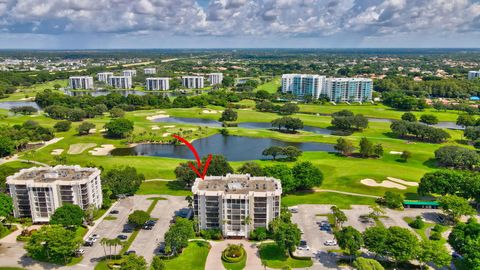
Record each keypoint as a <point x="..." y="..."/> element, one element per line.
<point x="153" y="84"/>
<point x="349" y="89"/>
<point x="236" y="203"/>
<point x="215" y="78"/>
<point x="130" y="72"/>
<point x="192" y="81"/>
<point x="303" y="84"/>
<point x="473" y="74"/>
<point x="120" y="82"/>
<point x="149" y="70"/>
<point x="104" y="76"/>
<point x="38" y="192"/>
<point x="81" y="82"/>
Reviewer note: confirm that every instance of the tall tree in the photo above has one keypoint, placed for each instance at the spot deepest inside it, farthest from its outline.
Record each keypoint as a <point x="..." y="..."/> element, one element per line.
<point x="307" y="175"/>
<point x="6" y="205"/>
<point x="344" y="146"/>
<point x="68" y="215"/>
<point x="455" y="206"/>
<point x="119" y="128"/>
<point x="122" y="180"/>
<point x="432" y="251"/>
<point x="133" y="262"/>
<point x="349" y="239"/>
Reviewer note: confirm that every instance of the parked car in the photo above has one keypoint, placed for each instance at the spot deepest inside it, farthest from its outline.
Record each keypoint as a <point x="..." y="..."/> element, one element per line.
<point x="96" y="236"/>
<point x="92" y="239"/>
<point x="150" y="223"/>
<point x="122" y="237"/>
<point x="303" y="245"/>
<point x="325" y="227"/>
<point x="127" y="229"/>
<point x="147" y="227"/>
<point x="330" y="243"/>
<point x="88" y="243"/>
<point x="114" y="212"/>
<point x="79" y="252"/>
<point x="293" y="209"/>
<point x="130" y="252"/>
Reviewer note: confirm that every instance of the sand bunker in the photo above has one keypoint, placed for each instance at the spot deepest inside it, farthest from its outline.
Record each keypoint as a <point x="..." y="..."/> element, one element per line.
<point x="157" y="116"/>
<point x="78" y="148"/>
<point x="92" y="130"/>
<point x="210" y="111"/>
<point x="56" y="152"/>
<point x="403" y="182"/>
<point x="168" y="126"/>
<point x="155" y="127"/>
<point x="103" y="150"/>
<point x="396" y="153"/>
<point x="166" y="134"/>
<point x="102" y="130"/>
<point x="386" y="183"/>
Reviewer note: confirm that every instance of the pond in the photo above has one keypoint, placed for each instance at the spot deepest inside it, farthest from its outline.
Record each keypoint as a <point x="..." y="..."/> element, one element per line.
<point x="234" y="148"/>
<point x="249" y="125"/>
<point x="11" y="104"/>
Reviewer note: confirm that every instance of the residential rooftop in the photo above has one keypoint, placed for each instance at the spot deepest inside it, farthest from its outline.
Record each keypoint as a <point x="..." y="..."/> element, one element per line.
<point x="51" y="174"/>
<point x="238" y="184"/>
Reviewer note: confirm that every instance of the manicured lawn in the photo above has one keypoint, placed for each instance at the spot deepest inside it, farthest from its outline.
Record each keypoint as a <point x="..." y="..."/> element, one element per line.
<point x="193" y="257"/>
<point x="340" y="200"/>
<point x="163" y="187"/>
<point x="31" y="91"/>
<point x="236" y="266"/>
<point x="271" y="86"/>
<point x="273" y="257"/>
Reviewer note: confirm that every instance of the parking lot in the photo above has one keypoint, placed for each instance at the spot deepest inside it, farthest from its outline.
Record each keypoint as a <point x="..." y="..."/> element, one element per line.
<point x="309" y="216"/>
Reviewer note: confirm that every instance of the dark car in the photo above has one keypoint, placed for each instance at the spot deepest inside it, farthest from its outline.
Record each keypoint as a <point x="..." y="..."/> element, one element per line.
<point x="122" y="237"/>
<point x="147" y="227"/>
<point x="114" y="212"/>
<point x="88" y="243"/>
<point x="127" y="229"/>
<point x="130" y="252"/>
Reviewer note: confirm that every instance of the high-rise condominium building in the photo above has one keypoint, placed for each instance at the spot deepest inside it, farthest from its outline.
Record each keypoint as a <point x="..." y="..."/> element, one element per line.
<point x="130" y="72"/>
<point x="303" y="84"/>
<point x="192" y="81"/>
<point x="153" y="84"/>
<point x="120" y="82"/>
<point x="81" y="82"/>
<point x="349" y="89"/>
<point x="215" y="78"/>
<point x="104" y="76"/>
<point x="38" y="192"/>
<point x="336" y="89"/>
<point x="149" y="70"/>
<point x="236" y="204"/>
<point x="473" y="74"/>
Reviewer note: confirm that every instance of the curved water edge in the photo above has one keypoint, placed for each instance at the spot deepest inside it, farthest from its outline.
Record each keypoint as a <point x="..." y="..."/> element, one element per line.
<point x="7" y="105"/>
<point x="249" y="125"/>
<point x="234" y="148"/>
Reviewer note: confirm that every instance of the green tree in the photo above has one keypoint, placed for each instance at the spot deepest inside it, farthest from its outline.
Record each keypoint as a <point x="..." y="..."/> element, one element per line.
<point x="62" y="126"/>
<point x="339" y="216"/>
<point x="464" y="239"/>
<point x="251" y="168"/>
<point x="376" y="240"/>
<point x="133" y="262"/>
<point x="378" y="150"/>
<point x="286" y="234"/>
<point x="361" y="263"/>
<point x="433" y="251"/>
<point x="349" y="239"/>
<point x="289" y="108"/>
<point x="455" y="206"/>
<point x="402" y="244"/>
<point x="138" y="218"/>
<point x="122" y="180"/>
<point x="307" y="175"/>
<point x="465" y="120"/>
<point x="228" y="115"/>
<point x="7" y="146"/>
<point x="406" y="155"/>
<point x="344" y="146"/>
<point x="410" y="117"/>
<point x="184" y="173"/>
<point x="117" y="112"/>
<point x="457" y="157"/>
<point x="6" y="205"/>
<point x="284" y="173"/>
<point x="68" y="215"/>
<point x="441" y="182"/>
<point x="228" y="81"/>
<point x="158" y="263"/>
<point x="429" y="119"/>
<point x="366" y="148"/>
<point x="53" y="244"/>
<point x="393" y="200"/>
<point x="273" y="151"/>
<point x="176" y="238"/>
<point x="291" y="152"/>
<point x="119" y="128"/>
<point x="84" y="128"/>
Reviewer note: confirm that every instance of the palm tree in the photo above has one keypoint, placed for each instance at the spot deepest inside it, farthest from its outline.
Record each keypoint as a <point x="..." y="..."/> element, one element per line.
<point x="189" y="199"/>
<point x="104" y="243"/>
<point x="116" y="242"/>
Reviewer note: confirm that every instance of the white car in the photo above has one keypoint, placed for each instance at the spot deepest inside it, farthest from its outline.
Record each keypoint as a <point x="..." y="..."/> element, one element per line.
<point x="96" y="236"/>
<point x="303" y="245"/>
<point x="92" y="239"/>
<point x="330" y="243"/>
<point x="79" y="252"/>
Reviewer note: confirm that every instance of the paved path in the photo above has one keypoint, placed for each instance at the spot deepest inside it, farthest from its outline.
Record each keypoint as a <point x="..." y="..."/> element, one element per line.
<point x="214" y="259"/>
<point x="346" y="193"/>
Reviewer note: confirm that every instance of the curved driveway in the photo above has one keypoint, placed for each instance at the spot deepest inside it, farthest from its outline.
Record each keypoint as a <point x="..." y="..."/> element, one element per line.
<point x="214" y="259"/>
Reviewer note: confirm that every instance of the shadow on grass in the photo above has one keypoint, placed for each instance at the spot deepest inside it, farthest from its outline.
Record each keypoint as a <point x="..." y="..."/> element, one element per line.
<point x="431" y="163"/>
<point x="177" y="185"/>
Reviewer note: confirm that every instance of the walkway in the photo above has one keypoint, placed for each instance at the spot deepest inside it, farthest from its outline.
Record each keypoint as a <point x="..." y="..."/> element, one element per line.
<point x="214" y="259"/>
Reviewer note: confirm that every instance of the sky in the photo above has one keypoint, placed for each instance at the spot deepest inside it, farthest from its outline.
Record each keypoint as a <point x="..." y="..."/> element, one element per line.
<point x="111" y="24"/>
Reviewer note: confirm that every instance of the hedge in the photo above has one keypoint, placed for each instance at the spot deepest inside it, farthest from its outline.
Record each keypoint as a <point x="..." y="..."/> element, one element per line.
<point x="233" y="260"/>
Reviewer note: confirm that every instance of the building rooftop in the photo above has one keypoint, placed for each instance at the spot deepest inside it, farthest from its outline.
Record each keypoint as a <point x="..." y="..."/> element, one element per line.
<point x="50" y="174"/>
<point x="238" y="184"/>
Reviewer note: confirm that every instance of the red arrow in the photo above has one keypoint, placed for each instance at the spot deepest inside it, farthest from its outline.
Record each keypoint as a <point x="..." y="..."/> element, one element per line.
<point x="199" y="162"/>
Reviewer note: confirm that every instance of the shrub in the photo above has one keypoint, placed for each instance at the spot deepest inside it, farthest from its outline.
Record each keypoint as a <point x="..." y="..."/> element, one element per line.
<point x="438" y="228"/>
<point x="62" y="126"/>
<point x="233" y="253"/>
<point x="418" y="223"/>
<point x="259" y="234"/>
<point x="435" y="236"/>
<point x="211" y="234"/>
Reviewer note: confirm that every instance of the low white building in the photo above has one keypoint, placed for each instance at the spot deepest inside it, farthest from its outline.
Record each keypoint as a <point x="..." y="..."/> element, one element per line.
<point x="149" y="71"/>
<point x="473" y="74"/>
<point x="38" y="192"/>
<point x="120" y="82"/>
<point x="81" y="82"/>
<point x="193" y="81"/>
<point x="236" y="203"/>
<point x="104" y="76"/>
<point x="215" y="78"/>
<point x="155" y="84"/>
<point x="130" y="72"/>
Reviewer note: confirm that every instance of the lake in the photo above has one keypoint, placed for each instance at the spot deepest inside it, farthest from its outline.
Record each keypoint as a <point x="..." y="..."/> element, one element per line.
<point x="249" y="125"/>
<point x="234" y="148"/>
<point x="12" y="104"/>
